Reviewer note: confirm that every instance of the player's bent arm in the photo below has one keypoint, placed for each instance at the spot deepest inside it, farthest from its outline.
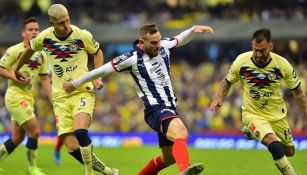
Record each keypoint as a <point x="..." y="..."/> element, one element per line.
<point x="46" y="83"/>
<point x="24" y="58"/>
<point x="301" y="99"/>
<point x="7" y="74"/>
<point x="102" y="71"/>
<point x="223" y="89"/>
<point x="98" y="58"/>
<point x="187" y="35"/>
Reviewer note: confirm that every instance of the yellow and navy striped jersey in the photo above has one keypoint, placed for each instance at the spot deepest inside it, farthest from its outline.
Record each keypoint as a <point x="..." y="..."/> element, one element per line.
<point x="68" y="58"/>
<point x="262" y="95"/>
<point x="37" y="65"/>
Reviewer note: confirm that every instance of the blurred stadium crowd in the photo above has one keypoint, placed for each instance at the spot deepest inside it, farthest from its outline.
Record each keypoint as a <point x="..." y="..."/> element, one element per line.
<point x="12" y="12"/>
<point x="197" y="68"/>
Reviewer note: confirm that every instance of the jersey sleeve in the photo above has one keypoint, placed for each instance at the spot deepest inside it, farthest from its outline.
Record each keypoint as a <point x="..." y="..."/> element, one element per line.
<point x="44" y="68"/>
<point x="290" y="77"/>
<point x="37" y="43"/>
<point x="91" y="45"/>
<point x="9" y="58"/>
<point x="124" y="61"/>
<point x="233" y="74"/>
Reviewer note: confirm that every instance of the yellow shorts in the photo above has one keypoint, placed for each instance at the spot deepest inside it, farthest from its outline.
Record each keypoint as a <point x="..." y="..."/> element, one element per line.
<point x="259" y="128"/>
<point x="65" y="109"/>
<point x="20" y="108"/>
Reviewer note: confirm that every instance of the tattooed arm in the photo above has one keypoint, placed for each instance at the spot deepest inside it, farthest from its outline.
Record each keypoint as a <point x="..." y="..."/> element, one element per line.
<point x="221" y="93"/>
<point x="301" y="99"/>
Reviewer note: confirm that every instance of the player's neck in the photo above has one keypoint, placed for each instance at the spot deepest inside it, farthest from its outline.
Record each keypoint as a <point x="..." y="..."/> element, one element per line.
<point x="26" y="43"/>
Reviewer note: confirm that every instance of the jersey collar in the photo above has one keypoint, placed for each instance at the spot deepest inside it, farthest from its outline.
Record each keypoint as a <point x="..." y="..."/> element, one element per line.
<point x="263" y="65"/>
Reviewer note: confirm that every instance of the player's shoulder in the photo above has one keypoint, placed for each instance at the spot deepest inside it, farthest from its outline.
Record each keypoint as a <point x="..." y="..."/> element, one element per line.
<point x="47" y="31"/>
<point x="279" y="59"/>
<point x="169" y="43"/>
<point x="79" y="30"/>
<point x="127" y="56"/>
<point x="16" y="48"/>
<point x="243" y="57"/>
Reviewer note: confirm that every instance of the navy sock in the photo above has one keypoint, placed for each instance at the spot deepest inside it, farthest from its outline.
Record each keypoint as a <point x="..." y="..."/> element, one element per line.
<point x="9" y="145"/>
<point x="83" y="137"/>
<point x="276" y="150"/>
<point x="77" y="155"/>
<point x="31" y="143"/>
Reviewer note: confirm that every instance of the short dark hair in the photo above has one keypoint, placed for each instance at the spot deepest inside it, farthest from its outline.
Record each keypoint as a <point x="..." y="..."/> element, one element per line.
<point x="28" y="20"/>
<point x="262" y="34"/>
<point x="148" y="28"/>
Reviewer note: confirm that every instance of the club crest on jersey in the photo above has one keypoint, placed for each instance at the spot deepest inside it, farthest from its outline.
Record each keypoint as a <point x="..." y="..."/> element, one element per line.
<point x="272" y="76"/>
<point x="73" y="47"/>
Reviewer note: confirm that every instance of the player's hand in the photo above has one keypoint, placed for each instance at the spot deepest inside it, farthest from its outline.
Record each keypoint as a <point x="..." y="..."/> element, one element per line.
<point x="203" y="29"/>
<point x="98" y="84"/>
<point x="216" y="103"/>
<point x="68" y="87"/>
<point x="19" y="78"/>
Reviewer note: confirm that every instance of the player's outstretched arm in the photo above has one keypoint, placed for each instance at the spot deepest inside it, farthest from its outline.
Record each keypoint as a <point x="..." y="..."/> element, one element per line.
<point x="301" y="99"/>
<point x="221" y="93"/>
<point x="187" y="35"/>
<point x="23" y="59"/>
<point x="100" y="72"/>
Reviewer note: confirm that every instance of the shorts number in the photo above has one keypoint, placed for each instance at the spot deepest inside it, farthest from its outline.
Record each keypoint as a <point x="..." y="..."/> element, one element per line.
<point x="82" y="102"/>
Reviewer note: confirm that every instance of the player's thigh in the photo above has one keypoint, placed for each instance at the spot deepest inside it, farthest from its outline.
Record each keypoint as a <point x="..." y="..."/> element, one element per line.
<point x="259" y="128"/>
<point x="63" y="113"/>
<point x="18" y="133"/>
<point x="21" y="109"/>
<point x="283" y="132"/>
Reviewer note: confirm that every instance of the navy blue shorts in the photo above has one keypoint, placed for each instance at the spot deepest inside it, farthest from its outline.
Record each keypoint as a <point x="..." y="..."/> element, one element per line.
<point x="159" y="118"/>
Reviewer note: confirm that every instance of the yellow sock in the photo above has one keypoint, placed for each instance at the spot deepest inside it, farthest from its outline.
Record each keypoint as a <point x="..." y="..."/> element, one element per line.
<point x="285" y="166"/>
<point x="3" y="152"/>
<point x="86" y="153"/>
<point x="31" y="157"/>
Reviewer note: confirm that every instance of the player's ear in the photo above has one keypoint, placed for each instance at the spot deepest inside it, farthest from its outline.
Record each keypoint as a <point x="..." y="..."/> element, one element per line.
<point x="271" y="46"/>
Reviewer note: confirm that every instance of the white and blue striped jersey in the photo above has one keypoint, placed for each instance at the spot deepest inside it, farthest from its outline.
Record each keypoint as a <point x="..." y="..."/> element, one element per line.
<point x="152" y="76"/>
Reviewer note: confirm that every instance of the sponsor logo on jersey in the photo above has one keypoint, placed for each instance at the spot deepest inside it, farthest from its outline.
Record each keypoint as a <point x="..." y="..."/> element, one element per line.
<point x="58" y="70"/>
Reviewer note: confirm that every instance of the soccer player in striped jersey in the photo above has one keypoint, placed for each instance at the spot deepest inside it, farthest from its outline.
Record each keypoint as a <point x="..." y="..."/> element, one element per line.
<point x="264" y="112"/>
<point x="67" y="48"/>
<point x="19" y="96"/>
<point x="149" y="66"/>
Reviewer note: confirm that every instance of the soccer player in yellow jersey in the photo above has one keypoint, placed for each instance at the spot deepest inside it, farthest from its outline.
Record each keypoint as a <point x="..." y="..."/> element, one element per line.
<point x="264" y="111"/>
<point x="19" y="98"/>
<point x="67" y="48"/>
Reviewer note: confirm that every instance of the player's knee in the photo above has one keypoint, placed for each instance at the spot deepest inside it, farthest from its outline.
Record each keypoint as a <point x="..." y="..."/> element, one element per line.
<point x="34" y="133"/>
<point x="289" y="151"/>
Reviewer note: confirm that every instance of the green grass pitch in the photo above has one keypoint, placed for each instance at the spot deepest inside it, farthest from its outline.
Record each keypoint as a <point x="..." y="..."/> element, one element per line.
<point x="131" y="160"/>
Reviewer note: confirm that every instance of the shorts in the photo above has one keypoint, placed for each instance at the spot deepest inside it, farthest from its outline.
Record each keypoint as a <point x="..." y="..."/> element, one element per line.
<point x="65" y="109"/>
<point x="21" y="108"/>
<point x="259" y="128"/>
<point x="159" y="118"/>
